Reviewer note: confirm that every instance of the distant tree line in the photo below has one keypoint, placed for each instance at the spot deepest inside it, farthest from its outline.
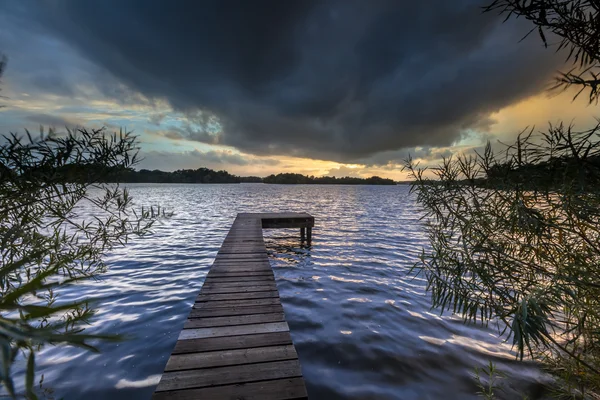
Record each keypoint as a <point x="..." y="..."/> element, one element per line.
<point x="200" y="175"/>
<point x="581" y="171"/>
<point x="207" y="175"/>
<point x="327" y="180"/>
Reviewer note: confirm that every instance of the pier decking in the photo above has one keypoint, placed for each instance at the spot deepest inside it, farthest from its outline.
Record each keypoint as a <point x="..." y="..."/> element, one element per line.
<point x="236" y="343"/>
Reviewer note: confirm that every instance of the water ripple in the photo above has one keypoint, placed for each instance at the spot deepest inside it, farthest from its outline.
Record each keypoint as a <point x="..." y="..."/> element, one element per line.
<point x="362" y="327"/>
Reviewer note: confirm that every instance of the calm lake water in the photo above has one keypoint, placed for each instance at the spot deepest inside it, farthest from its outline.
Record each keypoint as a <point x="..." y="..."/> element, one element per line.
<point x="362" y="325"/>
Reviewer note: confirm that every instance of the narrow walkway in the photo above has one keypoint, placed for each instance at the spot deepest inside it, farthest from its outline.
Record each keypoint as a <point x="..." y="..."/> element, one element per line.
<point x="236" y="343"/>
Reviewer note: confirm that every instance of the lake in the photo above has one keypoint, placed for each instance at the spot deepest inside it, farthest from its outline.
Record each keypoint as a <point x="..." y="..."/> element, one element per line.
<point x="362" y="325"/>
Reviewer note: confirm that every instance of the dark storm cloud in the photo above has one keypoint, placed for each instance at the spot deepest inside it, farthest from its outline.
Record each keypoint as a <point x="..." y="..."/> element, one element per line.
<point x="169" y="161"/>
<point x="340" y="80"/>
<point x="53" y="83"/>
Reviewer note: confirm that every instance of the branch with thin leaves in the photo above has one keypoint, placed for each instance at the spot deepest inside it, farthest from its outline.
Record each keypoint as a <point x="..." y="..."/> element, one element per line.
<point x="487" y="380"/>
<point x="515" y="238"/>
<point x="44" y="242"/>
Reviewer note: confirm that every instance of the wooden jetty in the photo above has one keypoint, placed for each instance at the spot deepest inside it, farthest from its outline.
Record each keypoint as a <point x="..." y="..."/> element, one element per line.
<point x="236" y="343"/>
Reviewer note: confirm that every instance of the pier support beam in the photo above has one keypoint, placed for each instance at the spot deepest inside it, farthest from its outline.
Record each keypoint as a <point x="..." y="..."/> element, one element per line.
<point x="308" y="235"/>
<point x="303" y="234"/>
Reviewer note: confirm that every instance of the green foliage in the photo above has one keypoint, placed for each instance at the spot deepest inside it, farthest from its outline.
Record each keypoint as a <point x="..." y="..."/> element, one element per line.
<point x="288" y="178"/>
<point x="487" y="379"/>
<point x="250" y="179"/>
<point x="200" y="175"/>
<point x="511" y="244"/>
<point x="515" y="235"/>
<point x="46" y="243"/>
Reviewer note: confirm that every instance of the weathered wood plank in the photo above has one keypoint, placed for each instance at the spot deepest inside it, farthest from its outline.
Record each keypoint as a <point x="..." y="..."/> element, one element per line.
<point x="242" y="257"/>
<point x="241" y="263"/>
<point x="224" y="258"/>
<point x="251" y="234"/>
<point x="280" y="389"/>
<point x="238" y="262"/>
<point x="234" y="274"/>
<point x="224" y="358"/>
<point x="207" y="305"/>
<point x="237" y="296"/>
<point x="238" y="250"/>
<point x="237" y="289"/>
<point x="237" y="330"/>
<point x="229" y="311"/>
<point x="243" y="246"/>
<point x="248" y="278"/>
<point x="232" y="342"/>
<point x="211" y="284"/>
<point x="234" y="320"/>
<point x="243" y="240"/>
<point x="227" y="375"/>
<point x="236" y="280"/>
<point x="241" y="268"/>
<point x="248" y="281"/>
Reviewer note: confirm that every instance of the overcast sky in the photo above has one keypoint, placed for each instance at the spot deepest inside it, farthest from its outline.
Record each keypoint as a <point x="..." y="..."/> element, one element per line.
<point x="336" y="87"/>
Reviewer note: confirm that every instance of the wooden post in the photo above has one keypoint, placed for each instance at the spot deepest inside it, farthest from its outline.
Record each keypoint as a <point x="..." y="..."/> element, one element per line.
<point x="302" y="234"/>
<point x="308" y="235"/>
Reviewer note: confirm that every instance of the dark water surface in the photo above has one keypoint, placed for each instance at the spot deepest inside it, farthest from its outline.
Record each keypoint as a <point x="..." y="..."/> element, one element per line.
<point x="362" y="326"/>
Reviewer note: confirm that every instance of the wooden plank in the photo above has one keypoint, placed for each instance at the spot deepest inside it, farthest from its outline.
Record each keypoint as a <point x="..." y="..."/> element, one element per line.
<point x="239" y="269"/>
<point x="232" y="342"/>
<point x="239" y="248"/>
<point x="224" y="358"/>
<point x="236" y="303"/>
<point x="212" y="284"/>
<point x="244" y="242"/>
<point x="246" y="234"/>
<point x="242" y="257"/>
<point x="242" y="250"/>
<point x="237" y="296"/>
<point x="237" y="289"/>
<point x="236" y="330"/>
<point x="244" y="246"/>
<point x="228" y="311"/>
<point x="247" y="278"/>
<point x="240" y="275"/>
<point x="232" y="274"/>
<point x="242" y="264"/>
<point x="234" y="320"/>
<point x="225" y="272"/>
<point x="280" y="389"/>
<point x="220" y="272"/>
<point x="229" y="375"/>
<point x="239" y="261"/>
